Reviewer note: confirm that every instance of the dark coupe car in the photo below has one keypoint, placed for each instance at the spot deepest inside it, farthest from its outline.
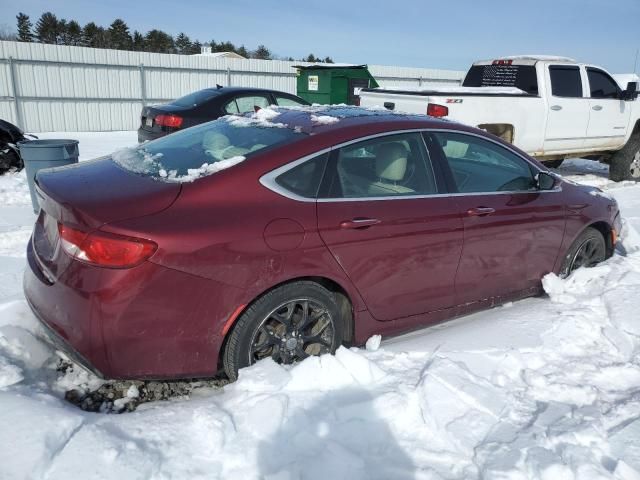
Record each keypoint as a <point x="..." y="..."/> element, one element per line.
<point x="205" y="105"/>
<point x="290" y="232"/>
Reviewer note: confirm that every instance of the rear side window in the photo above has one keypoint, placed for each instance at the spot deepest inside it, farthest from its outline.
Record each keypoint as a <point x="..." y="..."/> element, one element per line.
<point x="478" y="165"/>
<point x="601" y="85"/>
<point x="196" y="98"/>
<point x="288" y="102"/>
<point x="304" y="179"/>
<point x="565" y="81"/>
<point x="520" y="76"/>
<point x="248" y="104"/>
<point x="389" y="166"/>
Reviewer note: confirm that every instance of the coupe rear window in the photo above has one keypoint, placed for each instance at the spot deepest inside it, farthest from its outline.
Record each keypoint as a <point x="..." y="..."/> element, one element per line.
<point x="196" y="98"/>
<point x="520" y="76"/>
<point x="189" y="154"/>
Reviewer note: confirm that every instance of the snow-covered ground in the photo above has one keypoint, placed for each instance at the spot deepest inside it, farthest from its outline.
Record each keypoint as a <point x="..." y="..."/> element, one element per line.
<point x="544" y="388"/>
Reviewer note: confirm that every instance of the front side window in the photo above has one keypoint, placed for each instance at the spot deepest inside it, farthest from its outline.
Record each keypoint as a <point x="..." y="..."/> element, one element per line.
<point x="478" y="165"/>
<point x="602" y="85"/>
<point x="248" y="104"/>
<point x="393" y="165"/>
<point x="565" y="81"/>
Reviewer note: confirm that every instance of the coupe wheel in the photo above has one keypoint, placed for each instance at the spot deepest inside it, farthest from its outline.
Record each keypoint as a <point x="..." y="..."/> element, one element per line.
<point x="288" y="324"/>
<point x="588" y="250"/>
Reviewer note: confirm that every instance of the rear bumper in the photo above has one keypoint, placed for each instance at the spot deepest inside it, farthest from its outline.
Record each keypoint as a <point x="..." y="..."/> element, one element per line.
<point x="147" y="136"/>
<point x="147" y="322"/>
<point x="61" y="344"/>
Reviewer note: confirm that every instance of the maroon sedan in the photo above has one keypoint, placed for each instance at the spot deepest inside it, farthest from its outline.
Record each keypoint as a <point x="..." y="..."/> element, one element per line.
<point x="290" y="232"/>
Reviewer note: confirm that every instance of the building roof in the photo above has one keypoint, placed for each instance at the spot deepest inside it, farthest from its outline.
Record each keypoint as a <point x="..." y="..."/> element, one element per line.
<point x="219" y="55"/>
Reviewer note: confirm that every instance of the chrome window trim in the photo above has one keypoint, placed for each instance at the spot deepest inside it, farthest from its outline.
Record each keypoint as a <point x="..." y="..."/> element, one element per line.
<point x="268" y="180"/>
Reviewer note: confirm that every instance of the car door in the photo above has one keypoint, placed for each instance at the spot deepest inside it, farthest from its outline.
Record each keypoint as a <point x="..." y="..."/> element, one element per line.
<point x="512" y="230"/>
<point x="381" y="217"/>
<point x="568" y="110"/>
<point x="608" y="114"/>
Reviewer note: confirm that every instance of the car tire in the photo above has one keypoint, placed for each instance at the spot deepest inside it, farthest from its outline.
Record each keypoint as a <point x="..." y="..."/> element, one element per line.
<point x="263" y="324"/>
<point x="589" y="249"/>
<point x="625" y="163"/>
<point x="553" y="163"/>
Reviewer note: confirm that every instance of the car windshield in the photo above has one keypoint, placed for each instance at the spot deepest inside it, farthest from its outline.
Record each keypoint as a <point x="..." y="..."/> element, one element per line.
<point x="196" y="98"/>
<point x="205" y="149"/>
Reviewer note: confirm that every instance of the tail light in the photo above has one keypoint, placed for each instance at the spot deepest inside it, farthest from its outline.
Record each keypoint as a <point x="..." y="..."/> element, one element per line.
<point x="173" y="121"/>
<point x="104" y="249"/>
<point x="435" y="110"/>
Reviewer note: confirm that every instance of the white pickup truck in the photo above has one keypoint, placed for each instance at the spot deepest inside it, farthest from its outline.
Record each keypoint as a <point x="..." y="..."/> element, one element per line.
<point x="551" y="107"/>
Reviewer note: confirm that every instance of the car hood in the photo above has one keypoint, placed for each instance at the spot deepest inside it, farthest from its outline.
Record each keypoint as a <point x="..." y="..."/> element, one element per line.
<point x="98" y="192"/>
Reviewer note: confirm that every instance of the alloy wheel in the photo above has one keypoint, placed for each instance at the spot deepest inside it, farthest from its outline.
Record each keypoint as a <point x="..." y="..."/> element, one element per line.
<point x="590" y="252"/>
<point x="293" y="331"/>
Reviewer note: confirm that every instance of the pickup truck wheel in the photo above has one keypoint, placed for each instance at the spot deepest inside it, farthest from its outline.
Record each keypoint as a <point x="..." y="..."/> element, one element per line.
<point x="625" y="163"/>
<point x="554" y="163"/>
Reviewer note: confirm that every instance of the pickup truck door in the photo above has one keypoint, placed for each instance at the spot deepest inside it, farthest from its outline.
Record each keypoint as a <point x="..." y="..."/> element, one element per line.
<point x="608" y="116"/>
<point x="568" y="110"/>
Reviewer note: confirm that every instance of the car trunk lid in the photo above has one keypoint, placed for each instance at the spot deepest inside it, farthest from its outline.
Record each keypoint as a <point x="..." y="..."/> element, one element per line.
<point x="87" y="196"/>
<point x="149" y="114"/>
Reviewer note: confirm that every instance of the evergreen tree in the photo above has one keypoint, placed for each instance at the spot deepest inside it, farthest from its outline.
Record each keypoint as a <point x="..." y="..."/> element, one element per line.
<point x="159" y="42"/>
<point x="74" y="33"/>
<point x="119" y="37"/>
<point x="138" y="42"/>
<point x="183" y="44"/>
<point x="62" y="32"/>
<point x="225" y="47"/>
<point x="311" y="58"/>
<point x="24" y="28"/>
<point x="328" y="60"/>
<point x="48" y="28"/>
<point x="195" y="47"/>
<point x="95" y="36"/>
<point x="262" y="53"/>
<point x="243" y="51"/>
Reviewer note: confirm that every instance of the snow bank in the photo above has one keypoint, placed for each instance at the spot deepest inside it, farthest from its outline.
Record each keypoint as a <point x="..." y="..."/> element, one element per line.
<point x="544" y="389"/>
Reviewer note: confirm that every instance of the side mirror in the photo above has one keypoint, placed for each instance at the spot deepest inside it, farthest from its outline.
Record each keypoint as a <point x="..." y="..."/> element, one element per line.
<point x="545" y="181"/>
<point x="631" y="93"/>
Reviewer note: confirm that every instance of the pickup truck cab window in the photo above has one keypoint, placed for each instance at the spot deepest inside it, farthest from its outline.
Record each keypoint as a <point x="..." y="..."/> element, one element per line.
<point x="602" y="85"/>
<point x="478" y="165"/>
<point x="565" y="81"/>
<point x="387" y="166"/>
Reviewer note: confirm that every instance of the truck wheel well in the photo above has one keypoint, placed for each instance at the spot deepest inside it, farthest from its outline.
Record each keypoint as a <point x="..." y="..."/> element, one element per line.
<point x="502" y="130"/>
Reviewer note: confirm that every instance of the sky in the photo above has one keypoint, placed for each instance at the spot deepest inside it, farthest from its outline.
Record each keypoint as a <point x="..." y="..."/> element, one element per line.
<point x="441" y="34"/>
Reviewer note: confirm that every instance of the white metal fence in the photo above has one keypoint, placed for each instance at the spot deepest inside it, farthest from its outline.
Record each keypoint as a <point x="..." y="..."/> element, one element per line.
<point x="59" y="88"/>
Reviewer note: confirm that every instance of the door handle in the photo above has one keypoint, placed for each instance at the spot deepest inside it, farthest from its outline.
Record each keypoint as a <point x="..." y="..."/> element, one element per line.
<point x="597" y="108"/>
<point x="480" y="211"/>
<point x="359" y="223"/>
<point x="556" y="107"/>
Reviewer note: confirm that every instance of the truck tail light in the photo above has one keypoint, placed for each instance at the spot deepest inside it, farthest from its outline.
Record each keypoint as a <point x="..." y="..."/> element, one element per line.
<point x="435" y="110"/>
<point x="173" y="121"/>
<point x="104" y="249"/>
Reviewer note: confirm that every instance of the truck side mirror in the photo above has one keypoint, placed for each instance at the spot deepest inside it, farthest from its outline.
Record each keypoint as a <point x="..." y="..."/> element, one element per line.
<point x="631" y="93"/>
<point x="545" y="181"/>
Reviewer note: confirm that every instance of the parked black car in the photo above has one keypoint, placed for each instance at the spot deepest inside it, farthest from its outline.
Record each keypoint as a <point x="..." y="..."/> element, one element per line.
<point x="208" y="104"/>
<point x="10" y="135"/>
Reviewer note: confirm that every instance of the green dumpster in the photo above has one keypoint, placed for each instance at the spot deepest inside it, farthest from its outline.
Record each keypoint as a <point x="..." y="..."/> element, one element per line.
<point x="328" y="83"/>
